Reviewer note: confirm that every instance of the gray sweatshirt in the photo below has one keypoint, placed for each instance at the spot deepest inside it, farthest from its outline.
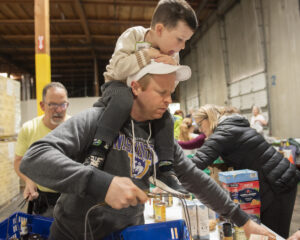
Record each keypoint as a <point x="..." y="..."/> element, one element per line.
<point x="56" y="160"/>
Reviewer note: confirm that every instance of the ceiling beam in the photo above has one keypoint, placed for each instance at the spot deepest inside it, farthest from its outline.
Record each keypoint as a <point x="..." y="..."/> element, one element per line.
<point x="84" y="24"/>
<point x="77" y="21"/>
<point x="117" y="2"/>
<point x="57" y="47"/>
<point x="63" y="57"/>
<point x="31" y="21"/>
<point x="55" y="36"/>
<point x="68" y="70"/>
<point x="139" y="3"/>
<point x="16" y="64"/>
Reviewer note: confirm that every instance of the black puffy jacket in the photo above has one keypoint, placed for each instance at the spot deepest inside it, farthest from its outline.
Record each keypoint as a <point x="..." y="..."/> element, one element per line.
<point x="242" y="147"/>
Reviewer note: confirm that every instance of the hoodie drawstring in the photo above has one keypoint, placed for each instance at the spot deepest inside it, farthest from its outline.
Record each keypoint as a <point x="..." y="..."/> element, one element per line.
<point x="154" y="158"/>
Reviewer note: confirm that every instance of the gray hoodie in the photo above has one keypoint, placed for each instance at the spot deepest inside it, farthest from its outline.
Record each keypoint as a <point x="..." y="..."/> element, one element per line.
<point x="56" y="162"/>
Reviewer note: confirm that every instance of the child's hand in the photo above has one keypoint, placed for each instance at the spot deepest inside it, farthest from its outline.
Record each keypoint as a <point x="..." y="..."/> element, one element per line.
<point x="166" y="59"/>
<point x="153" y="53"/>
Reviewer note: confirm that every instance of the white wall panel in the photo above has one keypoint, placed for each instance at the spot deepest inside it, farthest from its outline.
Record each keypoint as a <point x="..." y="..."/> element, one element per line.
<point x="213" y="88"/>
<point x="260" y="98"/>
<point x="243" y="41"/>
<point x="234" y="89"/>
<point x="259" y="82"/>
<point x="247" y="101"/>
<point x="236" y="102"/>
<point x="246" y="86"/>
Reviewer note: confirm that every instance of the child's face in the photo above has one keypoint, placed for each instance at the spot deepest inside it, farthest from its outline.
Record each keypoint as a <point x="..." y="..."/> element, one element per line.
<point x="173" y="40"/>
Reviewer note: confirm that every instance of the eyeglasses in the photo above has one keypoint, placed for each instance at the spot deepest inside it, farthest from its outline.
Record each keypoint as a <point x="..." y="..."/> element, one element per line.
<point x="200" y="122"/>
<point x="54" y="106"/>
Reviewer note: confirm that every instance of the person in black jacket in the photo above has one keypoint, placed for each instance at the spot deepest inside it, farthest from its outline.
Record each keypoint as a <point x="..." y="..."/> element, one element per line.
<point x="231" y="137"/>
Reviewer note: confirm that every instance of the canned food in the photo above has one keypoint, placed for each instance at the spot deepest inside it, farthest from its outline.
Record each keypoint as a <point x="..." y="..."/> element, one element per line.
<point x="155" y="201"/>
<point x="168" y="199"/>
<point x="239" y="233"/>
<point x="160" y="212"/>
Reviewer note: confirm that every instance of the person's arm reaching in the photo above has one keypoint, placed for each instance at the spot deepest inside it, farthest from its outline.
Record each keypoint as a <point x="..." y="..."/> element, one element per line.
<point x="213" y="147"/>
<point x="30" y="190"/>
<point x="251" y="227"/>
<point x="211" y="194"/>
<point x="196" y="142"/>
<point x="295" y="236"/>
<point x="123" y="193"/>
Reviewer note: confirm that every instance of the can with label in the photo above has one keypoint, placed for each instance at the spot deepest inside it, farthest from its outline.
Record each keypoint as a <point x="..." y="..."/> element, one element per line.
<point x="160" y="212"/>
<point x="168" y="199"/>
<point x="239" y="233"/>
<point x="154" y="202"/>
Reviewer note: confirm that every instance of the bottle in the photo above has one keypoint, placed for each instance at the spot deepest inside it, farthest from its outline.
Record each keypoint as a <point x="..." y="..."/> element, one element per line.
<point x="24" y="234"/>
<point x="227" y="231"/>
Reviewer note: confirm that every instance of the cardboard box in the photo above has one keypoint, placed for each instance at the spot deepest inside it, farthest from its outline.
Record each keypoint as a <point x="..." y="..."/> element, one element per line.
<point x="10" y="113"/>
<point x="199" y="221"/>
<point x="244" y="193"/>
<point x="244" y="175"/>
<point x="253" y="211"/>
<point x="9" y="180"/>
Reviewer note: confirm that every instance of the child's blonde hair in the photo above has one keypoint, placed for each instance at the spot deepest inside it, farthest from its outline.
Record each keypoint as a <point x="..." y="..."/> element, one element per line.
<point x="185" y="128"/>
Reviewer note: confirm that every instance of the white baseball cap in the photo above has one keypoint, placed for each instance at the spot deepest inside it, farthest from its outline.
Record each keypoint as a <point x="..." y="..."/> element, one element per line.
<point x="183" y="72"/>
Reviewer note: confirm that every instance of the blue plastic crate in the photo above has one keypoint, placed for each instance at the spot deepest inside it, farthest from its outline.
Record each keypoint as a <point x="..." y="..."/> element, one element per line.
<point x="35" y="223"/>
<point x="170" y="230"/>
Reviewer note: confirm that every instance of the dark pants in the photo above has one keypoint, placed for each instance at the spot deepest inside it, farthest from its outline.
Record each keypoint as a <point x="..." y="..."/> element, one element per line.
<point x="117" y="99"/>
<point x="279" y="213"/>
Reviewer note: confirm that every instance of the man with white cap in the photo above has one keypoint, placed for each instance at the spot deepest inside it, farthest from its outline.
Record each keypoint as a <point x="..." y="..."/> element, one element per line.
<point x="122" y="183"/>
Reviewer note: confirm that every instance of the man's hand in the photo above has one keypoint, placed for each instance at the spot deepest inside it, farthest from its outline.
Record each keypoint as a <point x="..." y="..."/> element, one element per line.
<point x="253" y="228"/>
<point x="30" y="190"/>
<point x="123" y="193"/>
<point x="295" y="236"/>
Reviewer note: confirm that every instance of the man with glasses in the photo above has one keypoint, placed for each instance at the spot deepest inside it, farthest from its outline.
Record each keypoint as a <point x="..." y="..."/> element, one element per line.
<point x="54" y="104"/>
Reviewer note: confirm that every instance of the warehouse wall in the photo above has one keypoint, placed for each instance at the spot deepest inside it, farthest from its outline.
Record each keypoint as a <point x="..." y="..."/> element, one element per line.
<point x="282" y="19"/>
<point x="208" y="84"/>
<point x="247" y="57"/>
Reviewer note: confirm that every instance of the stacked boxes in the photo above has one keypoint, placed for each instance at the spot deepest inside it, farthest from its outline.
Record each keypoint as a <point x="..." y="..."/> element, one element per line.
<point x="198" y="218"/>
<point x="10" y="119"/>
<point x="9" y="180"/>
<point x="10" y="114"/>
<point x="243" y="187"/>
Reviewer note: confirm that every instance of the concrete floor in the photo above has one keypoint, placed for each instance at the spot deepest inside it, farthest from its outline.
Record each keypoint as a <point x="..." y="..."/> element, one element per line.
<point x="12" y="207"/>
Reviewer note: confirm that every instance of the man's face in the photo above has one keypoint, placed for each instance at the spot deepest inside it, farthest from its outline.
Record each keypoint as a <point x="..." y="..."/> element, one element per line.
<point x="173" y="40"/>
<point x="153" y="102"/>
<point x="55" y="105"/>
<point x="255" y="111"/>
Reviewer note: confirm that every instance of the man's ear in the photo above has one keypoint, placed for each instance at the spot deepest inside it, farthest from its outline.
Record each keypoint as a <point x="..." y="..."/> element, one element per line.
<point x="42" y="105"/>
<point x="136" y="88"/>
<point x="159" y="27"/>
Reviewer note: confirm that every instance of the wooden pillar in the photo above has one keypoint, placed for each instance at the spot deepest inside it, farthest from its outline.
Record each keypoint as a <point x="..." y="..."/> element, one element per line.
<point x="42" y="48"/>
<point x="96" y="78"/>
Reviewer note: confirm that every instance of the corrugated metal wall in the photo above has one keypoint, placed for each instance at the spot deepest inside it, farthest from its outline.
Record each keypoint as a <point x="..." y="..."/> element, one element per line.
<point x="208" y="83"/>
<point x="282" y="20"/>
<point x="248" y="57"/>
